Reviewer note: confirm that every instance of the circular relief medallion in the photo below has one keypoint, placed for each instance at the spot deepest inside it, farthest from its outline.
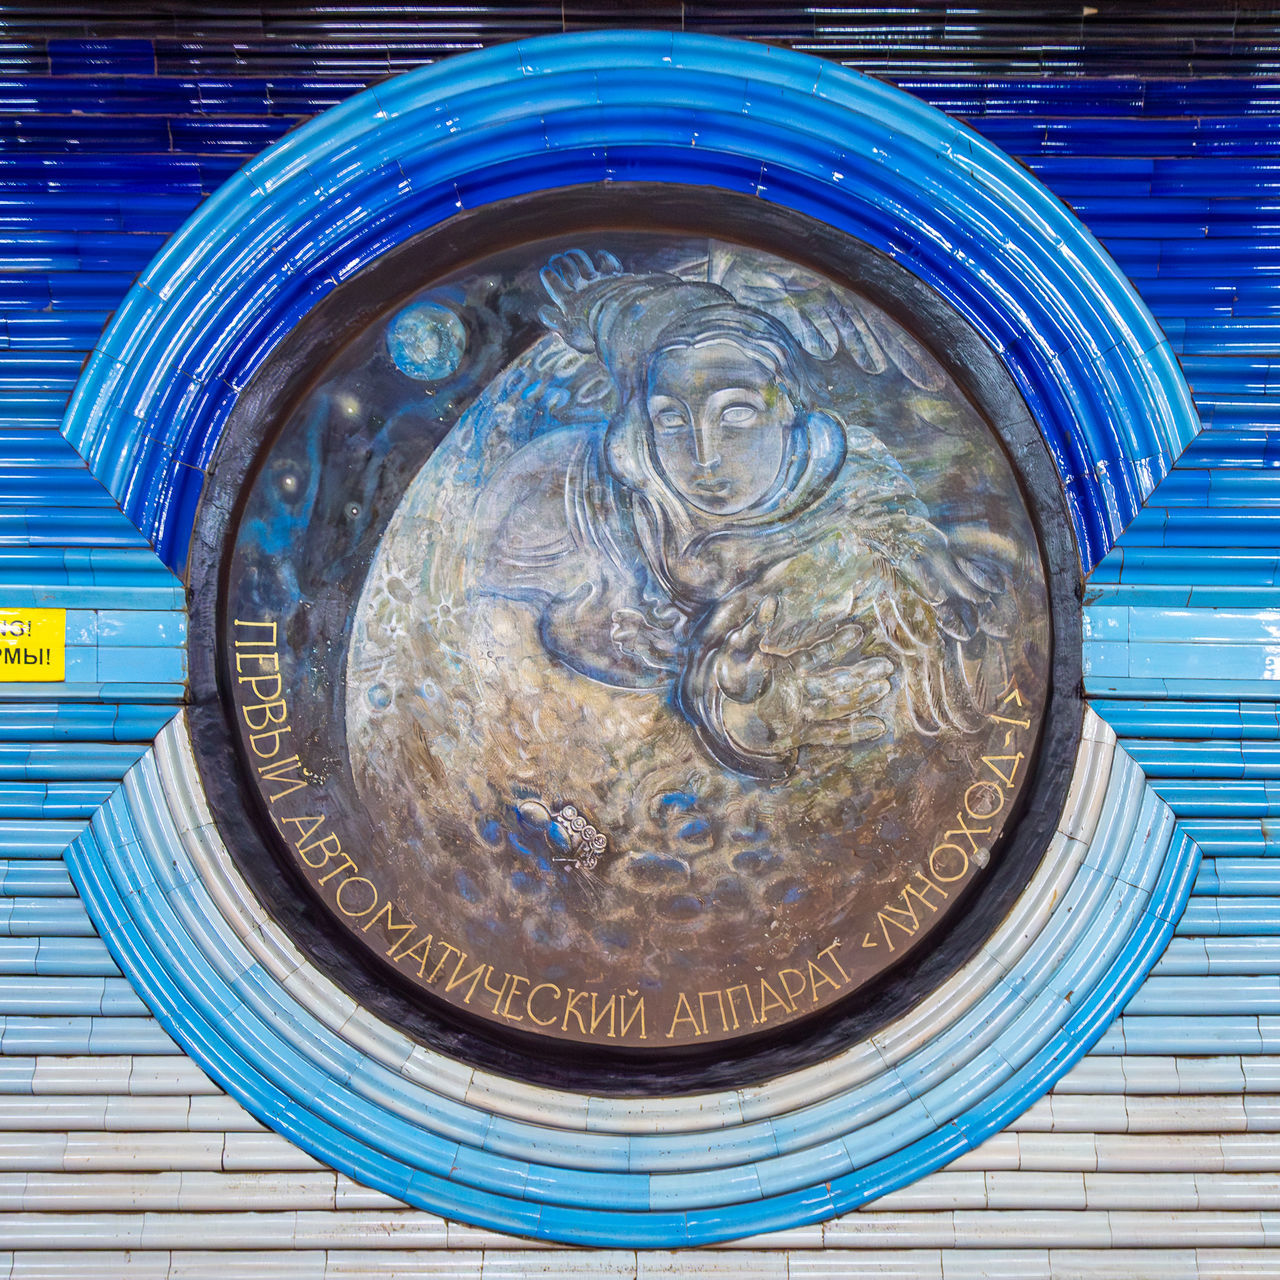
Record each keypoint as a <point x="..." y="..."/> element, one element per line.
<point x="631" y="637"/>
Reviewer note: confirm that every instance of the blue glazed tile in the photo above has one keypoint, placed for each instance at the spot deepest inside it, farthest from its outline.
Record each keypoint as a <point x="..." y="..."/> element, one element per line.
<point x="73" y="956"/>
<point x="372" y="1168"/>
<point x="117" y="57"/>
<point x="140" y="723"/>
<point x="39" y="1036"/>
<point x="588" y="1151"/>
<point x="456" y="1122"/>
<point x="1107" y="502"/>
<point x="635" y="162"/>
<point x="20" y="955"/>
<point x="613" y="1230"/>
<point x="313" y="1060"/>
<point x="667" y="1152"/>
<point x="1186" y="1034"/>
<point x="37" y="879"/>
<point x="140" y="628"/>
<point x="567" y="1186"/>
<point x="813" y="1204"/>
<point x="245" y="136"/>
<point x="1199" y="995"/>
<point x="128" y="1036"/>
<point x="783" y="1174"/>
<point x="714" y="1188"/>
<point x="81" y="664"/>
<point x="56" y="997"/>
<point x="141" y="665"/>
<point x="380" y="1131"/>
<point x="120" y="1000"/>
<point x="503" y="1213"/>
<point x="296" y="97"/>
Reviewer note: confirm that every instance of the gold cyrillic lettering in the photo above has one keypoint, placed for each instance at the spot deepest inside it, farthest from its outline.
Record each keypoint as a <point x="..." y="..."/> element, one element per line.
<point x="923" y="894"/>
<point x="637" y="1008"/>
<point x="309" y="822"/>
<point x="933" y="862"/>
<point x="250" y="642"/>
<point x="963" y="830"/>
<point x="990" y="790"/>
<point x="516" y="979"/>
<point x="408" y="927"/>
<point x="768" y="1001"/>
<point x="260" y="658"/>
<point x="264" y="699"/>
<point x="1006" y="778"/>
<point x="268" y="718"/>
<point x="528" y="1004"/>
<point x="283" y="771"/>
<point x="598" y="1017"/>
<point x="449" y="950"/>
<point x="786" y="986"/>
<point x="347" y="865"/>
<point x="337" y="896"/>
<point x="733" y="1008"/>
<point x="419" y="951"/>
<point x="684" y="1014"/>
<point x="702" y="1008"/>
<point x="259" y="741"/>
<point x="571" y="1007"/>
<point x="830" y="953"/>
<point x="475" y="975"/>
<point x="826" y="980"/>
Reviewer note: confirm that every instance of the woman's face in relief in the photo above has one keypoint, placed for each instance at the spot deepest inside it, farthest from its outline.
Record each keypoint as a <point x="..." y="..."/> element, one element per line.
<point x="721" y="424"/>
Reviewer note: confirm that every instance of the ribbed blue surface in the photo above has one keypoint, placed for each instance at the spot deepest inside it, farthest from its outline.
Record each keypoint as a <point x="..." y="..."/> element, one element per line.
<point x="1178" y="180"/>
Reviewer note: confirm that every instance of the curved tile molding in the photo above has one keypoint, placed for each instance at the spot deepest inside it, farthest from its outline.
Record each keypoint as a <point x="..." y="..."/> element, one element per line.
<point x="306" y="1059"/>
<point x="330" y="198"/>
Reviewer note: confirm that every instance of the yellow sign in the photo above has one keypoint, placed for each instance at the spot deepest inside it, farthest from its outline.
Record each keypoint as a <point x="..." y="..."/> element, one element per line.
<point x="33" y="644"/>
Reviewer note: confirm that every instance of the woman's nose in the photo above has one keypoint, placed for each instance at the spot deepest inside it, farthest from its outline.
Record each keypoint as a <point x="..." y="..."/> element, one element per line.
<point x="706" y="442"/>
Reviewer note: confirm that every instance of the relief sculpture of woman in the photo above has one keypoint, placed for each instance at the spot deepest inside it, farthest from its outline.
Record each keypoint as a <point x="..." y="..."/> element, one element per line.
<point x="666" y="648"/>
<point x="731" y="544"/>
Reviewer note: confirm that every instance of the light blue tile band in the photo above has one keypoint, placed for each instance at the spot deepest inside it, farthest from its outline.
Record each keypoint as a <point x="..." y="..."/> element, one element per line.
<point x="304" y="1058"/>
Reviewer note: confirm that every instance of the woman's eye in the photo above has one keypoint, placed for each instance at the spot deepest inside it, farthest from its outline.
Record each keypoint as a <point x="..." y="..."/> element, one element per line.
<point x="738" y="415"/>
<point x="669" y="419"/>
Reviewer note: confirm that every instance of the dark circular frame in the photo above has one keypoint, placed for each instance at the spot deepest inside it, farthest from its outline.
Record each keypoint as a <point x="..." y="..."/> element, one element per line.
<point x="264" y="405"/>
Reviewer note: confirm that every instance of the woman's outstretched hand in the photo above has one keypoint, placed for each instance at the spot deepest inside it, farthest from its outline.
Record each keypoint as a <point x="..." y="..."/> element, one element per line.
<point x="783" y="691"/>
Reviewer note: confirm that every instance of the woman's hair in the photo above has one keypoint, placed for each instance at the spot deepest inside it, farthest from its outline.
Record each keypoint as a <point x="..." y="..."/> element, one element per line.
<point x="629" y="442"/>
<point x="755" y="333"/>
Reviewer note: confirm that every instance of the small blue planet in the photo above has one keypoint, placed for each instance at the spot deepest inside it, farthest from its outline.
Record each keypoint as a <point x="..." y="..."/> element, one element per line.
<point x="426" y="341"/>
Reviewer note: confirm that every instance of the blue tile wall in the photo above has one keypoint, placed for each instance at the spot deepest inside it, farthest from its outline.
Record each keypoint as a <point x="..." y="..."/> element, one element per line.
<point x="111" y="134"/>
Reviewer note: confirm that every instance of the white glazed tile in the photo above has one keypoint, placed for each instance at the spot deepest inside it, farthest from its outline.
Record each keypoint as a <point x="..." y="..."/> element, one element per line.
<point x="1152" y="1263"/>
<point x="993" y="1264"/>
<point x="1132" y="1229"/>
<point x="402" y="1264"/>
<point x="1000" y="1151"/>
<point x="1124" y="1191"/>
<point x="1058" y="1152"/>
<point x="527" y="1103"/>
<point x="1035" y="1189"/>
<point x="1089" y="783"/>
<point x="876" y="1264"/>
<point x="868" y="1228"/>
